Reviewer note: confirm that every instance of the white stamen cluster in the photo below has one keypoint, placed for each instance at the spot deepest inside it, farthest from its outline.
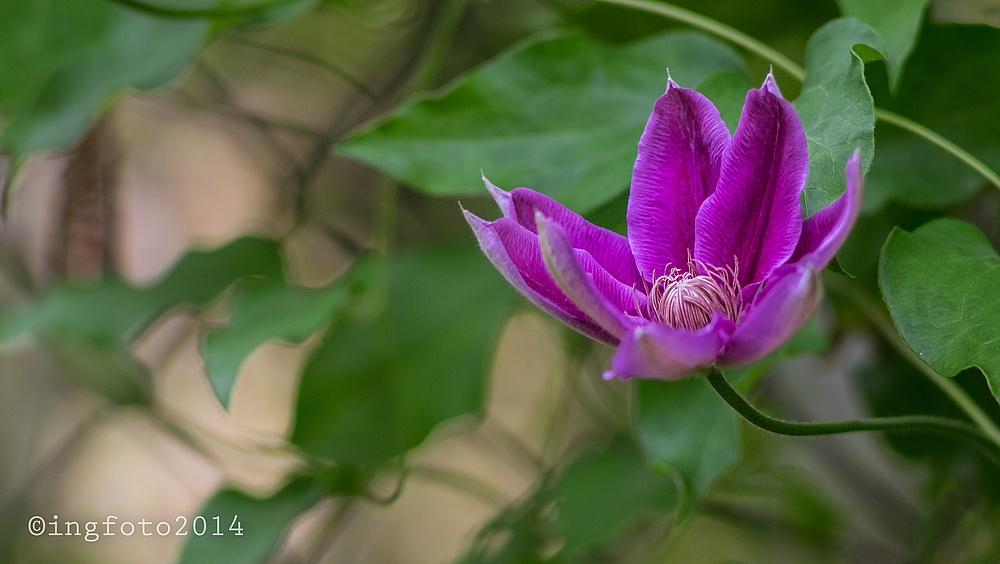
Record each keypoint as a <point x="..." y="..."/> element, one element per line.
<point x="688" y="300"/>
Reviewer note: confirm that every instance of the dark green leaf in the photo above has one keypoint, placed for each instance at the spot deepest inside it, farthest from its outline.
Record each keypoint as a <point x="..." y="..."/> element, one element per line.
<point x="941" y="285"/>
<point x="896" y="21"/>
<point x="263" y="523"/>
<point x="561" y="116"/>
<point x="603" y="492"/>
<point x="955" y="96"/>
<point x="836" y="107"/>
<point x="265" y="309"/>
<point x="685" y="425"/>
<point x="381" y="381"/>
<point x="62" y="58"/>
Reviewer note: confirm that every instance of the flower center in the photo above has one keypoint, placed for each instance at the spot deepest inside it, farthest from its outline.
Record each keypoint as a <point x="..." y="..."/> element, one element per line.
<point x="688" y="300"/>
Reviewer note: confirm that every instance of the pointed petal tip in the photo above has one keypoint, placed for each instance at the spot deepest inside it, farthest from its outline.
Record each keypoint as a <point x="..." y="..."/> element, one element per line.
<point x="501" y="197"/>
<point x="770" y="85"/>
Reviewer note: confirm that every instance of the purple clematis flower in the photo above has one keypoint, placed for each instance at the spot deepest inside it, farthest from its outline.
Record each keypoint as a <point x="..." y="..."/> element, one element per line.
<point x="718" y="266"/>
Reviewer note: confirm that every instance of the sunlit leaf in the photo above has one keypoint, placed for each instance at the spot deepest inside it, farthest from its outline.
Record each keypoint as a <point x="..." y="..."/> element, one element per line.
<point x="941" y="285"/>
<point x="560" y="115"/>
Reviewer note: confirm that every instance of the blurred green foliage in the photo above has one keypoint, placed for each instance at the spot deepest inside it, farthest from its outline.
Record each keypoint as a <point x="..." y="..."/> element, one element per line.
<point x="553" y="95"/>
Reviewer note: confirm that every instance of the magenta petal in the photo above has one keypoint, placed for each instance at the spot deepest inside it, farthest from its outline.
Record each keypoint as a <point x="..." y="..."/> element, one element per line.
<point x="608" y="248"/>
<point x="501" y="197"/>
<point x="677" y="168"/>
<point x="780" y="310"/>
<point x="825" y="232"/>
<point x="665" y="353"/>
<point x="754" y="214"/>
<point x="517" y="254"/>
<point x="578" y="282"/>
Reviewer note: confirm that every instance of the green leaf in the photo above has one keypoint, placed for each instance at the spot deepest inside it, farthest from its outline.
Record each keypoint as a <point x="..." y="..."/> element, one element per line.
<point x="956" y="97"/>
<point x="940" y="283"/>
<point x="727" y="91"/>
<point x="263" y="523"/>
<point x="602" y="493"/>
<point x="386" y="375"/>
<point x="685" y="425"/>
<point x="560" y="115"/>
<point x="836" y="107"/>
<point x="62" y="58"/>
<point x="111" y="312"/>
<point x="90" y="328"/>
<point x="265" y="309"/>
<point x="896" y="21"/>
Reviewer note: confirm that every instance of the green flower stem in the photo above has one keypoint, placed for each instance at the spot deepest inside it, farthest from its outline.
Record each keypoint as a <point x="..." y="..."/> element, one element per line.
<point x="917" y="129"/>
<point x="924" y="423"/>
<point x="879" y="318"/>
<point x="203" y="13"/>
<point x="754" y="46"/>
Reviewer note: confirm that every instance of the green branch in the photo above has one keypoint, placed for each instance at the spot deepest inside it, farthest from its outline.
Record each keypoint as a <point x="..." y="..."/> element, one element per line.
<point x="200" y="13"/>
<point x="715" y="28"/>
<point x="925" y="423"/>
<point x="754" y="46"/>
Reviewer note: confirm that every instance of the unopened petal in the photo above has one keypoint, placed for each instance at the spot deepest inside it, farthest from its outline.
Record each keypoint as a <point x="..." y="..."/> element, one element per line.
<point x="825" y="232"/>
<point x="665" y="353"/>
<point x="784" y="305"/>
<point x="517" y="254"/>
<point x="754" y="214"/>
<point x="677" y="168"/>
<point x="578" y="282"/>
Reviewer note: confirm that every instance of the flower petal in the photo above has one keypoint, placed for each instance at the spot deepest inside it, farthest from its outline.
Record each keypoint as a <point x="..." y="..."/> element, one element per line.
<point x="663" y="352"/>
<point x="825" y="232"/>
<point x="754" y="214"/>
<point x="608" y="248"/>
<point x="677" y="168"/>
<point x="581" y="283"/>
<point x="780" y="309"/>
<point x="517" y="254"/>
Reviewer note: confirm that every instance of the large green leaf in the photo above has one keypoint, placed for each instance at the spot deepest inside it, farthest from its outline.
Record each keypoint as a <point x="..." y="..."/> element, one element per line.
<point x="896" y="21"/>
<point x="950" y="86"/>
<point x="836" y="107"/>
<point x="260" y="524"/>
<point x="602" y="493"/>
<point x="560" y="115"/>
<point x="386" y="375"/>
<point x="685" y="425"/>
<point x="265" y="309"/>
<point x="61" y="58"/>
<point x="941" y="285"/>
